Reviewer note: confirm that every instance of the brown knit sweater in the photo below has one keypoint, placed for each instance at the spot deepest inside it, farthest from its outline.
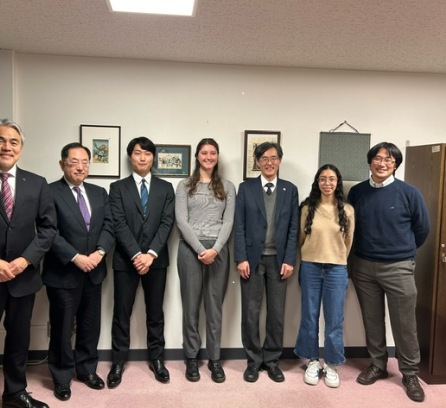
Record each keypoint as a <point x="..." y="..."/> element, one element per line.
<point x="326" y="243"/>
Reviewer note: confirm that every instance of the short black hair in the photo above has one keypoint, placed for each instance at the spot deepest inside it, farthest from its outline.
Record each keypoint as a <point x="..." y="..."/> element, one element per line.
<point x="263" y="147"/>
<point x="144" y="142"/>
<point x="391" y="149"/>
<point x="74" y="145"/>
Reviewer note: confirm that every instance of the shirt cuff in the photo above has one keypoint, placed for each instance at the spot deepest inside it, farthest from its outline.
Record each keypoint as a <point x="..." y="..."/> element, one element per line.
<point x="152" y="252"/>
<point x="134" y="256"/>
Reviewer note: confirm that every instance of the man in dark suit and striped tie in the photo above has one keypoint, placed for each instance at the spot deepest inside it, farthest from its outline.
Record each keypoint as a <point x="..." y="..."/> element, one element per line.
<point x="27" y="229"/>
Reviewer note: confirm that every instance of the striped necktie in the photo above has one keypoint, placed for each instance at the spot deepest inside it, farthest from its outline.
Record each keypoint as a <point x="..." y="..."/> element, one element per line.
<point x="8" y="199"/>
<point x="144" y="195"/>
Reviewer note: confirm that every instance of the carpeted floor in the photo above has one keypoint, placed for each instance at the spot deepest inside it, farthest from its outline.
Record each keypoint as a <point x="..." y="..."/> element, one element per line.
<point x="140" y="389"/>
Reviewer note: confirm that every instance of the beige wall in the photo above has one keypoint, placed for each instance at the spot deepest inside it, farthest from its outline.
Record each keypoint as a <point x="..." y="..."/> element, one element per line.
<point x="180" y="103"/>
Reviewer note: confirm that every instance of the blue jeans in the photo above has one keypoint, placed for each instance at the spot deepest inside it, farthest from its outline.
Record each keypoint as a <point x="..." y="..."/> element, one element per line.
<point x="326" y="283"/>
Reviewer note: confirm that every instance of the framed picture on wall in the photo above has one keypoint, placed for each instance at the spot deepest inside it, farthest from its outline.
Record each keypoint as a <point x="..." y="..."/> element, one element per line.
<point x="171" y="161"/>
<point x="104" y="143"/>
<point x="252" y="139"/>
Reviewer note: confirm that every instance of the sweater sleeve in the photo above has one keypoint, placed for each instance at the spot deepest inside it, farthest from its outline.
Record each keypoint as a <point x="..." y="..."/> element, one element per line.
<point x="351" y="228"/>
<point x="420" y="218"/>
<point x="182" y="217"/>
<point x="228" y="217"/>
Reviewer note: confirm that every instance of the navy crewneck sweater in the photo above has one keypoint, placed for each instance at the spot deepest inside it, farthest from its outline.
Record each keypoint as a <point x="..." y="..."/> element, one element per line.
<point x="391" y="222"/>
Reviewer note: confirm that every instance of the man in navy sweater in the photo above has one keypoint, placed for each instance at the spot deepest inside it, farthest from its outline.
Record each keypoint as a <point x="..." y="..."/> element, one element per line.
<point x="391" y="223"/>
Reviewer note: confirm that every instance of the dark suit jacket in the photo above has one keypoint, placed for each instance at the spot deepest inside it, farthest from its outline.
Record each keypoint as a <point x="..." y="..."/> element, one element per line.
<point x="138" y="233"/>
<point x="73" y="237"/>
<point x="29" y="233"/>
<point x="250" y="222"/>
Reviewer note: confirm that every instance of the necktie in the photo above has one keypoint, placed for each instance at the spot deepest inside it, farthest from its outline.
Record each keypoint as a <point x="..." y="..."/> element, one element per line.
<point x="83" y="206"/>
<point x="269" y="191"/>
<point x="8" y="200"/>
<point x="144" y="195"/>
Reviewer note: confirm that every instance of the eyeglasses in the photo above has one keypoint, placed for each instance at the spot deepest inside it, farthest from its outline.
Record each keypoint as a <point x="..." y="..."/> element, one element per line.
<point x="265" y="160"/>
<point x="75" y="163"/>
<point x="385" y="160"/>
<point x="330" y="180"/>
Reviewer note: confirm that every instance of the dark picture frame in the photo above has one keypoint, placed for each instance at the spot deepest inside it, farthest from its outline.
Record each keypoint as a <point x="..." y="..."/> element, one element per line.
<point x="104" y="143"/>
<point x="252" y="139"/>
<point x="172" y="160"/>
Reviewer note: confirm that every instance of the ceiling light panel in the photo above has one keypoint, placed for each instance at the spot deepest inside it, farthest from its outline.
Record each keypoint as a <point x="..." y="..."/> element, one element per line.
<point x="168" y="7"/>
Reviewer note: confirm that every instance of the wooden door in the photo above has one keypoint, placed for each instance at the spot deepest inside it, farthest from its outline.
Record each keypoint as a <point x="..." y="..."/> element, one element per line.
<point x="425" y="169"/>
<point x="439" y="352"/>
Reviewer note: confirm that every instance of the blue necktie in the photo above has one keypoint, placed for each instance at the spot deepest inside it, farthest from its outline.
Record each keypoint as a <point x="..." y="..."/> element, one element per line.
<point x="144" y="195"/>
<point x="83" y="206"/>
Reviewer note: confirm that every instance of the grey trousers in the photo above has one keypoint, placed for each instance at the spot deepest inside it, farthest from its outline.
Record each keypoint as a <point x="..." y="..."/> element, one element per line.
<point x="266" y="275"/>
<point x="199" y="281"/>
<point x="373" y="281"/>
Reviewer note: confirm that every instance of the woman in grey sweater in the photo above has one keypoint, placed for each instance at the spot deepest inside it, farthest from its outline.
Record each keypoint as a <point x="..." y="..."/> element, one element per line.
<point x="204" y="209"/>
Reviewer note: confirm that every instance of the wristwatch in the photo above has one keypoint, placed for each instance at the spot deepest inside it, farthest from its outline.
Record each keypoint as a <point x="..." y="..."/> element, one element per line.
<point x="101" y="251"/>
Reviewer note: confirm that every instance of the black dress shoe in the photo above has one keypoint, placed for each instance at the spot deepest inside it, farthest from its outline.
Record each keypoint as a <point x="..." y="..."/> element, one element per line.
<point x="413" y="388"/>
<point x="62" y="392"/>
<point x="192" y="373"/>
<point x="114" y="377"/>
<point x="371" y="374"/>
<point x="251" y="374"/>
<point x="274" y="372"/>
<point x="24" y="400"/>
<point x="92" y="380"/>
<point x="161" y="373"/>
<point x="218" y="374"/>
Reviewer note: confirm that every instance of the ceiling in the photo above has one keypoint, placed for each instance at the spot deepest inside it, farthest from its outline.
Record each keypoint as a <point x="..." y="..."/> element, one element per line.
<point x="382" y="35"/>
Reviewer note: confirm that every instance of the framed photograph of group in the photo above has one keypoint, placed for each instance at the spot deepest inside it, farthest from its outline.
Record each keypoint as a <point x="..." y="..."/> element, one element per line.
<point x="171" y="161"/>
<point x="104" y="143"/>
<point x="252" y="139"/>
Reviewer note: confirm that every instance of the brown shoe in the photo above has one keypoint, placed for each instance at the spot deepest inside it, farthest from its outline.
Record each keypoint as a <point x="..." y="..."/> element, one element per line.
<point x="370" y="374"/>
<point x="413" y="388"/>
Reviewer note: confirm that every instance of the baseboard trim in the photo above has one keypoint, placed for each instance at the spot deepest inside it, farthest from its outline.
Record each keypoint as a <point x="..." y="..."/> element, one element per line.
<point x="226" y="354"/>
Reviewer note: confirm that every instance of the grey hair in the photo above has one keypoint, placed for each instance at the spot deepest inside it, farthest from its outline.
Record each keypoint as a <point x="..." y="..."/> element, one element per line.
<point x="13" y="125"/>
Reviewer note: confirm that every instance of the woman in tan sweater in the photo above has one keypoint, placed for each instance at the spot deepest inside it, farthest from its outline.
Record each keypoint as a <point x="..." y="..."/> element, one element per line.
<point x="325" y="239"/>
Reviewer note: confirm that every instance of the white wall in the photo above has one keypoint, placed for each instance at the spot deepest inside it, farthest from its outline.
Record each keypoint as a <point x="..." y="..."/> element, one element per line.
<point x="182" y="103"/>
<point x="7" y="84"/>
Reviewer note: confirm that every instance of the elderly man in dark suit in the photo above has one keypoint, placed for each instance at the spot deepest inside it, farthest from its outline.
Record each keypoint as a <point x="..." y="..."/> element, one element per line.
<point x="74" y="269"/>
<point x="27" y="229"/>
<point x="143" y="214"/>
<point x="265" y="242"/>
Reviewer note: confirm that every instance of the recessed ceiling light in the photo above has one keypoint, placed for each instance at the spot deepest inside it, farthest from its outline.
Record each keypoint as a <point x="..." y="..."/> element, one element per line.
<point x="170" y="7"/>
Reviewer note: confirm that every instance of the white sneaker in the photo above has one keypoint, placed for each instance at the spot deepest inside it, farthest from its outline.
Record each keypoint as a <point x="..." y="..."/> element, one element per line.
<point x="331" y="376"/>
<point x="312" y="372"/>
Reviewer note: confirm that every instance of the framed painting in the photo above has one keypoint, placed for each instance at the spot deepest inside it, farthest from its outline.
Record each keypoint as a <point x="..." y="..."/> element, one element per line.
<point x="104" y="143"/>
<point x="171" y="161"/>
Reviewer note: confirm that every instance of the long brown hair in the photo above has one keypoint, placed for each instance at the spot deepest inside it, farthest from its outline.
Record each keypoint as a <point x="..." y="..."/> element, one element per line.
<point x="216" y="184"/>
<point x="313" y="200"/>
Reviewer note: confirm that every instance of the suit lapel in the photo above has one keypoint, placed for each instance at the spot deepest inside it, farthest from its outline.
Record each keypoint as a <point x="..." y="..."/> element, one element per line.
<point x="153" y="191"/>
<point x="280" y="198"/>
<point x="67" y="195"/>
<point x="134" y="193"/>
<point x="257" y="192"/>
<point x="94" y="201"/>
